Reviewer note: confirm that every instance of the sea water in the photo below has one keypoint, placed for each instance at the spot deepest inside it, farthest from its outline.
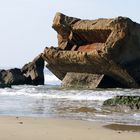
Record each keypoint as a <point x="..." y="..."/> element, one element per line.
<point x="53" y="101"/>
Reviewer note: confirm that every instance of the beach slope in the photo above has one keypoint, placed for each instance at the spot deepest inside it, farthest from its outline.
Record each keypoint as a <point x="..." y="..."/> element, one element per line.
<point x="21" y="128"/>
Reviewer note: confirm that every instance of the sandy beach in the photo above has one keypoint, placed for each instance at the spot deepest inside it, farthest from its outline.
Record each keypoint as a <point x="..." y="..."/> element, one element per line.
<point x="21" y="128"/>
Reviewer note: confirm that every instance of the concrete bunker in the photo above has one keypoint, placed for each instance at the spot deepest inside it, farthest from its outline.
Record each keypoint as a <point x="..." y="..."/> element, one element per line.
<point x="102" y="48"/>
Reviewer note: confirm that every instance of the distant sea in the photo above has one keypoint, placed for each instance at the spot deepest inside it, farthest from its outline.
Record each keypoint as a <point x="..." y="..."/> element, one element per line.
<point x="53" y="101"/>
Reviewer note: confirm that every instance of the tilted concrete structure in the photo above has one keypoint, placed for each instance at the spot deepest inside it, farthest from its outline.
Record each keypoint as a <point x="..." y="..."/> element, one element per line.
<point x="109" y="49"/>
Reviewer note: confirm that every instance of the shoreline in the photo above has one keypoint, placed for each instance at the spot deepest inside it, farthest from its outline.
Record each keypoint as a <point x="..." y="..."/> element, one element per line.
<point x="41" y="128"/>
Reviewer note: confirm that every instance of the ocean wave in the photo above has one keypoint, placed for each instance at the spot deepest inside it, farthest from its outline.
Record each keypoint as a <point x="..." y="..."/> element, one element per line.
<point x="53" y="101"/>
<point x="50" y="93"/>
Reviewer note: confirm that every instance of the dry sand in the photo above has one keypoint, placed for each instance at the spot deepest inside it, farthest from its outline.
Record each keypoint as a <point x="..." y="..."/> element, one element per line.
<point x="24" y="128"/>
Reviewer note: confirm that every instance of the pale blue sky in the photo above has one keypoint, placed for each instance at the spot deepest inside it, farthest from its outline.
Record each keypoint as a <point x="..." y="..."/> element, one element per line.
<point x="25" y="25"/>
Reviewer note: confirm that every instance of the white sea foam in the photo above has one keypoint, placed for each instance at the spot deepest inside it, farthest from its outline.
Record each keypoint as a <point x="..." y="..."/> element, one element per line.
<point x="53" y="101"/>
<point x="136" y="116"/>
<point x="43" y="91"/>
<point x="51" y="79"/>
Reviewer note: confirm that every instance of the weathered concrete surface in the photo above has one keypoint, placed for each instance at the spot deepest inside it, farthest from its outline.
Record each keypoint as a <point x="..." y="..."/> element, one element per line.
<point x="11" y="77"/>
<point x="82" y="80"/>
<point x="34" y="71"/>
<point x="31" y="74"/>
<point x="104" y="46"/>
<point x="87" y="62"/>
<point x="73" y="31"/>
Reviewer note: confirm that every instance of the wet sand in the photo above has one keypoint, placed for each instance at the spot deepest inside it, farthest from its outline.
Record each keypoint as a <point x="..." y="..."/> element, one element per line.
<point x="120" y="127"/>
<point x="21" y="128"/>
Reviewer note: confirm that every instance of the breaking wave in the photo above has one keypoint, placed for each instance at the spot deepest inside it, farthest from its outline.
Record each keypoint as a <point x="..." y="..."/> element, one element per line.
<point x="50" y="100"/>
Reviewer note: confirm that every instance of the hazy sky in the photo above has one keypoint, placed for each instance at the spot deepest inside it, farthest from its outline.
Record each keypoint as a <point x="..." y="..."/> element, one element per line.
<point x="25" y="25"/>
